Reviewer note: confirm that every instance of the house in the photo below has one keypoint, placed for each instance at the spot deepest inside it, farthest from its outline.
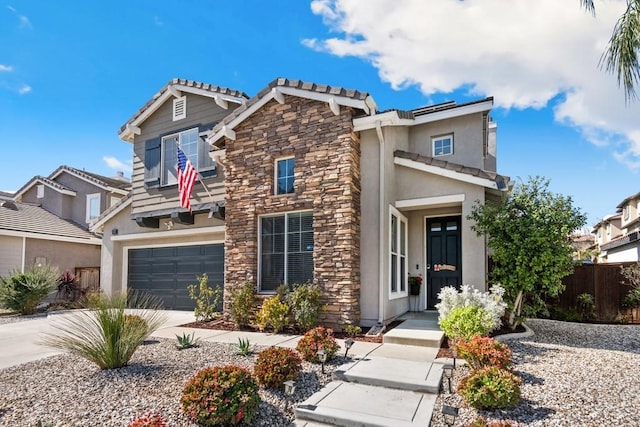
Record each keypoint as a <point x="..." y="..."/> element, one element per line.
<point x="304" y="182"/>
<point x="617" y="235"/>
<point x="47" y="221"/>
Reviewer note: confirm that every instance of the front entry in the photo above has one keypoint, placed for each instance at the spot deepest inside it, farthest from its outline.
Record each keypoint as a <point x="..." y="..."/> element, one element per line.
<point x="444" y="256"/>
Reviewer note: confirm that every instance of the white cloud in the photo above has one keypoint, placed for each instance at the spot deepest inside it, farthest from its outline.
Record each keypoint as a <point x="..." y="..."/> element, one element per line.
<point x="24" y="21"/>
<point x="24" y="89"/>
<point x="118" y="165"/>
<point x="6" y="68"/>
<point x="524" y="54"/>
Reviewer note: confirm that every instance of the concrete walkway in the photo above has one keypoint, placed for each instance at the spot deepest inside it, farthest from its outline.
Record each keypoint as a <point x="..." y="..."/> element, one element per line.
<point x="384" y="384"/>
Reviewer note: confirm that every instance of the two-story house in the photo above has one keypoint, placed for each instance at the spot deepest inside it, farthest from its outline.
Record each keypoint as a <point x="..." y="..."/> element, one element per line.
<point x="617" y="235"/>
<point x="48" y="219"/>
<point x="311" y="184"/>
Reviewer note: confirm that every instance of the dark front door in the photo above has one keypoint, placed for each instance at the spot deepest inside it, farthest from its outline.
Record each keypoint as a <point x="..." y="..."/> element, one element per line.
<point x="444" y="256"/>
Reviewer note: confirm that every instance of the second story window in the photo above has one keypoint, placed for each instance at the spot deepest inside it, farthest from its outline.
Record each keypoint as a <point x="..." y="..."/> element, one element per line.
<point x="442" y="145"/>
<point x="625" y="211"/>
<point x="93" y="206"/>
<point x="40" y="191"/>
<point x="285" y="175"/>
<point x="194" y="149"/>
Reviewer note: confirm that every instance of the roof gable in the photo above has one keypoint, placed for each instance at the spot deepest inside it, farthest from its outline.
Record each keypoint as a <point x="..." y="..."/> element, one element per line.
<point x="36" y="180"/>
<point x="334" y="96"/>
<point x="175" y="88"/>
<point x="105" y="183"/>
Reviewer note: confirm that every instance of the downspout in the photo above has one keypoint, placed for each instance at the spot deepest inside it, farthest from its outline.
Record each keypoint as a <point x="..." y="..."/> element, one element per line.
<point x="381" y="237"/>
<point x="24" y="253"/>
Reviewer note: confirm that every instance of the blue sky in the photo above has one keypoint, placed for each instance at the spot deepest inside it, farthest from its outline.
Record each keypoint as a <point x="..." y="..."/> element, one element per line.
<point x="71" y="73"/>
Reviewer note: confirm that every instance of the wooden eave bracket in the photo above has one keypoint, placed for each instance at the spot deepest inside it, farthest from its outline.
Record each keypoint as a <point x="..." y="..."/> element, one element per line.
<point x="334" y="106"/>
<point x="221" y="102"/>
<point x="278" y="95"/>
<point x="182" y="218"/>
<point x="133" y="129"/>
<point x="173" y="91"/>
<point x="228" y="132"/>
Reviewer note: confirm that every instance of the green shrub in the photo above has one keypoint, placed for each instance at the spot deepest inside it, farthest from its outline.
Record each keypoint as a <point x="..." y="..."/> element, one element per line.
<point x="352" y="330"/>
<point x="276" y="365"/>
<point x="631" y="276"/>
<point x="244" y="346"/>
<point x="186" y="341"/>
<point x="221" y="396"/>
<point x="207" y="299"/>
<point x="467" y="322"/>
<point x="104" y="333"/>
<point x="242" y="303"/>
<point x="480" y="352"/>
<point x="586" y="306"/>
<point x="273" y="313"/>
<point x="306" y="305"/>
<point x="490" y="388"/>
<point x="23" y="292"/>
<point x="149" y="420"/>
<point x="314" y="340"/>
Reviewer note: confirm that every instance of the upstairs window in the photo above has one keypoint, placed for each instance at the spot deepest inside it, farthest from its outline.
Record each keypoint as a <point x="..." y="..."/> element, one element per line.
<point x="442" y="145"/>
<point x="194" y="148"/>
<point x="40" y="191"/>
<point x="93" y="206"/>
<point x="285" y="175"/>
<point x="625" y="211"/>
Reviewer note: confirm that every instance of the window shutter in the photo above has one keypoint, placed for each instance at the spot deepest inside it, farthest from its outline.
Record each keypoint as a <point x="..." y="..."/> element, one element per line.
<point x="152" y="163"/>
<point x="207" y="166"/>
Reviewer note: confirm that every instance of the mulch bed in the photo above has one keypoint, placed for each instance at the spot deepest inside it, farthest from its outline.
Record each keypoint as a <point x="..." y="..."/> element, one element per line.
<point x="228" y="325"/>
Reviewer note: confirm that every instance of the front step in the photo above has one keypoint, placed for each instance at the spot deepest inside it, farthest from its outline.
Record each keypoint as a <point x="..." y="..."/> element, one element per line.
<point x="354" y="405"/>
<point x="393" y="373"/>
<point x="421" y="333"/>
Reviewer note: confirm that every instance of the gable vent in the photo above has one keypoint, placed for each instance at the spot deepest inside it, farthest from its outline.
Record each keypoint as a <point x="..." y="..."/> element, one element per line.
<point x="179" y="108"/>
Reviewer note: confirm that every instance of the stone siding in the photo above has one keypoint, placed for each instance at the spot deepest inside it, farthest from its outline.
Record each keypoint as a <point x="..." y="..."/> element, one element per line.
<point x="327" y="181"/>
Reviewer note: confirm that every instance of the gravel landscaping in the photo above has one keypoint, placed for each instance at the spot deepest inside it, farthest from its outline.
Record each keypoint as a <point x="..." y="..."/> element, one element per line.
<point x="574" y="375"/>
<point x="66" y="390"/>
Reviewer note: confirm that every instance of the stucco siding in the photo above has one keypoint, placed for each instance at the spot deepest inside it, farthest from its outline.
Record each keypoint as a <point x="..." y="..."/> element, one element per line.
<point x="10" y="254"/>
<point x="64" y="255"/>
<point x="467" y="139"/>
<point x="200" y="111"/>
<point x="76" y="209"/>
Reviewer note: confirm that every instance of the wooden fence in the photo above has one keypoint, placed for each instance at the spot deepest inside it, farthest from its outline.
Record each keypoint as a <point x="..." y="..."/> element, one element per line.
<point x="603" y="281"/>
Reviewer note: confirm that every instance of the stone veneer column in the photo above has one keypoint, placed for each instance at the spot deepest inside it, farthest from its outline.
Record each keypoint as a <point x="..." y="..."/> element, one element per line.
<point x="327" y="181"/>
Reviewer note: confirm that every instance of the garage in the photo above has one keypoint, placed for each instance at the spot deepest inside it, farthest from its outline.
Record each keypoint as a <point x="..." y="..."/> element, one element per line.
<point x="165" y="272"/>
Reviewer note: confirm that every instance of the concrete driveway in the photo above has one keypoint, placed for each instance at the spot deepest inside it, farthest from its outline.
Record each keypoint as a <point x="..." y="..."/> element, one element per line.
<point x="19" y="341"/>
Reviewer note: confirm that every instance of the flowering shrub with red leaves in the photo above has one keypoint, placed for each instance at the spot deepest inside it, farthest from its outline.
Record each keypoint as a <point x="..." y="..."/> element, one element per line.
<point x="149" y="420"/>
<point x="482" y="422"/>
<point x="316" y="339"/>
<point x="490" y="388"/>
<point x="484" y="351"/>
<point x="276" y="365"/>
<point x="221" y="396"/>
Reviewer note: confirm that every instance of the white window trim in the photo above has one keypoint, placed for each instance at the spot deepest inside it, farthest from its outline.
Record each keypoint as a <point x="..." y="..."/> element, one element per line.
<point x="88" y="207"/>
<point x="275" y="175"/>
<point x="625" y="211"/>
<point x="162" y="155"/>
<point x="401" y="218"/>
<point x="438" y="138"/>
<point x="286" y="229"/>
<point x="176" y="102"/>
<point x="40" y="191"/>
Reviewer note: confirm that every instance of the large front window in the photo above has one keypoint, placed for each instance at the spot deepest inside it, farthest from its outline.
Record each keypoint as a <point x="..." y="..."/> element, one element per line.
<point x="286" y="249"/>
<point x="193" y="147"/>
<point x="397" y="254"/>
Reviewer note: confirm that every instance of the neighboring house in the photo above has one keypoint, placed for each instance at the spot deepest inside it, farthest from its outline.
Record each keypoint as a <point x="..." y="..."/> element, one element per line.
<point x="617" y="235"/>
<point x="47" y="221"/>
<point x="311" y="183"/>
<point x="584" y="247"/>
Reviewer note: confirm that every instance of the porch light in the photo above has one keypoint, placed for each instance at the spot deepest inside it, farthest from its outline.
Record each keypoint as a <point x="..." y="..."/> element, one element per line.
<point x="347" y="345"/>
<point x="450" y="413"/>
<point x="448" y="374"/>
<point x="322" y="356"/>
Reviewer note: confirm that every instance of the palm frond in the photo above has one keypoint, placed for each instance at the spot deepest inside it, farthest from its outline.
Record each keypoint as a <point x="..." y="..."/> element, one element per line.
<point x="589" y="6"/>
<point x="621" y="56"/>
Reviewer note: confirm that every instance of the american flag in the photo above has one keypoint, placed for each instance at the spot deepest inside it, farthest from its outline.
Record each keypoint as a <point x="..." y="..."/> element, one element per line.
<point x="187" y="176"/>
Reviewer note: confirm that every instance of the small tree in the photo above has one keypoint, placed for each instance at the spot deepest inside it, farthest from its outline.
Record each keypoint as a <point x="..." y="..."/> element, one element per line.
<point x="530" y="234"/>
